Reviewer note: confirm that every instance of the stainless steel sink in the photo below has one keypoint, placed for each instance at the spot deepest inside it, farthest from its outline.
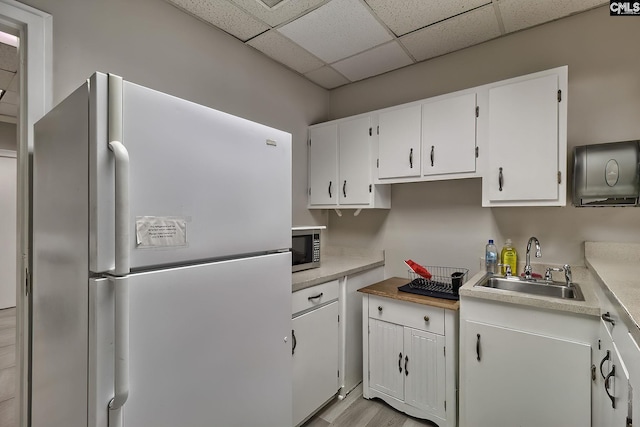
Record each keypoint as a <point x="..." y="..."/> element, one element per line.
<point x="545" y="288"/>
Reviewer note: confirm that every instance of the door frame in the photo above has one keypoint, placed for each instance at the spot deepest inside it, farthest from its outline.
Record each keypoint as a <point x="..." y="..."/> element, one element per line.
<point x="34" y="29"/>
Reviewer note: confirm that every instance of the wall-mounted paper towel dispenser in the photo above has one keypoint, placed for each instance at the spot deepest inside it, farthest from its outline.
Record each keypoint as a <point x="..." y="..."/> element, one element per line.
<point x="607" y="174"/>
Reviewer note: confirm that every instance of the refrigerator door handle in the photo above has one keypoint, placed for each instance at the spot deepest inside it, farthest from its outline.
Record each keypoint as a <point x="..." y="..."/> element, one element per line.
<point x="120" y="283"/>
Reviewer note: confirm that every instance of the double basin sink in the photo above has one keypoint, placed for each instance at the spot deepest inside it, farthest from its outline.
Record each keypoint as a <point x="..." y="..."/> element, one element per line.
<point x="546" y="288"/>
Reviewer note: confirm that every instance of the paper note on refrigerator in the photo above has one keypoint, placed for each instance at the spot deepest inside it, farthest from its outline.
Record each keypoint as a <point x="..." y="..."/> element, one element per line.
<point x="160" y="231"/>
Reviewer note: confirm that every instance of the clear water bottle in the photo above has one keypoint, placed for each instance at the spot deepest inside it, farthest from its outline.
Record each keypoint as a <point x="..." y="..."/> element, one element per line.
<point x="491" y="257"/>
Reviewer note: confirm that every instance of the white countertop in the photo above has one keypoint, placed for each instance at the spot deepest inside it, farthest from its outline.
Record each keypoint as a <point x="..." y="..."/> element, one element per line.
<point x="335" y="263"/>
<point x="617" y="268"/>
<point x="590" y="306"/>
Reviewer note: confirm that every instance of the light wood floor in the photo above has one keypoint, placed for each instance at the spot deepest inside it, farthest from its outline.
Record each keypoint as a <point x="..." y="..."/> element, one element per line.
<point x="356" y="411"/>
<point x="7" y="366"/>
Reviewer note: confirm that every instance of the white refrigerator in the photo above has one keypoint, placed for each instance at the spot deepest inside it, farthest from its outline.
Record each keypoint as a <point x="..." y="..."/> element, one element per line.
<point x="161" y="283"/>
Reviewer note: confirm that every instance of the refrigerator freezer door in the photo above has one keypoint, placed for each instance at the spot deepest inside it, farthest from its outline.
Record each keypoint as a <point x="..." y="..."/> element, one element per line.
<point x="209" y="345"/>
<point x="204" y="184"/>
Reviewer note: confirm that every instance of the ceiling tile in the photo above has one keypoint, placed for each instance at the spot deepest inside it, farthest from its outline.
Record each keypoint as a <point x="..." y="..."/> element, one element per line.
<point x="373" y="62"/>
<point x="14" y="83"/>
<point x="336" y="30"/>
<point x="5" y="78"/>
<point x="225" y="16"/>
<point x="327" y="77"/>
<point x="283" y="12"/>
<point x="8" y="58"/>
<point x="404" y="16"/>
<point x="518" y="14"/>
<point x="456" y="33"/>
<point x="8" y="109"/>
<point x="283" y="50"/>
<point x="11" y="97"/>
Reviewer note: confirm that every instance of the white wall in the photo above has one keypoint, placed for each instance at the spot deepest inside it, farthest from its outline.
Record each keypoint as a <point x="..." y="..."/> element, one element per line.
<point x="443" y="223"/>
<point x="154" y="44"/>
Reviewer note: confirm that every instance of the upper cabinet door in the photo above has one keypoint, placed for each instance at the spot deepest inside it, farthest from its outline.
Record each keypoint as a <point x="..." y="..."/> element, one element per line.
<point x="355" y="161"/>
<point x="449" y="135"/>
<point x="524" y="140"/>
<point x="399" y="142"/>
<point x="323" y="165"/>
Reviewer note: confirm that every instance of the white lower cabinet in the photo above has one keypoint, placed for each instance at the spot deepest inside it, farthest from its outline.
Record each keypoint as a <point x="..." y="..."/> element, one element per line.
<point x="409" y="361"/>
<point x="523" y="366"/>
<point x="314" y="349"/>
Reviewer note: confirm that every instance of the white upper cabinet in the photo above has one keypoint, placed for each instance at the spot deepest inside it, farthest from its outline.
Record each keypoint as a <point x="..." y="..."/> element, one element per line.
<point x="355" y="161"/>
<point x="323" y="165"/>
<point x="341" y="164"/>
<point x="399" y="142"/>
<point x="527" y="141"/>
<point x="449" y="135"/>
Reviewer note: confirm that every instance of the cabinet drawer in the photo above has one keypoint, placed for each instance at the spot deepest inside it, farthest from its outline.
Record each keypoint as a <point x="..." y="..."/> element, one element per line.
<point x="314" y="296"/>
<point x="418" y="316"/>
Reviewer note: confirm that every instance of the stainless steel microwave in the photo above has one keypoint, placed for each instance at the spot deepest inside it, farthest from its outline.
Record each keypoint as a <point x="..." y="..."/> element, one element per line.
<point x="305" y="248"/>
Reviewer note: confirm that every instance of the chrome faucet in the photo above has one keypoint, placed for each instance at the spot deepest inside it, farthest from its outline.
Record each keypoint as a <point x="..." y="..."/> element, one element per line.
<point x="568" y="279"/>
<point x="527" y="267"/>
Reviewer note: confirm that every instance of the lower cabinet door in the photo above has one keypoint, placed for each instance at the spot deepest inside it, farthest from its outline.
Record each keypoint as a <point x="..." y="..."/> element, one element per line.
<point x="315" y="360"/>
<point x="386" y="358"/>
<point x="553" y="377"/>
<point x="425" y="371"/>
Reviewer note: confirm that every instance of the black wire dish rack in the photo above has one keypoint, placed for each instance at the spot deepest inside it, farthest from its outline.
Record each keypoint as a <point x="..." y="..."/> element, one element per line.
<point x="444" y="282"/>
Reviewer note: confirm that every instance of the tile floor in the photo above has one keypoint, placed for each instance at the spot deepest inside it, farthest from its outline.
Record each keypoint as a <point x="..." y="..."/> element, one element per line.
<point x="7" y="366"/>
<point x="355" y="411"/>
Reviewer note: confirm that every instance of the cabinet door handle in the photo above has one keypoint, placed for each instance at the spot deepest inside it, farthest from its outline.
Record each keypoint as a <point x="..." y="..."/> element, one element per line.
<point x="380" y="309"/>
<point x="400" y="363"/>
<point x="432" y="155"/>
<point x="606" y="386"/>
<point x="330" y="189"/>
<point x="295" y="342"/>
<point x="478" y="347"/>
<point x="607" y="318"/>
<point x="406" y="362"/>
<point x="500" y="180"/>
<point x="604" y="359"/>
<point x="426" y="318"/>
<point x="316" y="296"/>
<point x="411" y="158"/>
<point x="344" y="188"/>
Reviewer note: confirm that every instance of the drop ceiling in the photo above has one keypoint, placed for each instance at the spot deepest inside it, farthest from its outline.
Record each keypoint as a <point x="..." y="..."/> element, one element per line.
<point x="336" y="42"/>
<point x="9" y="100"/>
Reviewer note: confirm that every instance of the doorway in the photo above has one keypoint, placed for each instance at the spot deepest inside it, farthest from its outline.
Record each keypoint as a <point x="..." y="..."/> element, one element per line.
<point x="34" y="27"/>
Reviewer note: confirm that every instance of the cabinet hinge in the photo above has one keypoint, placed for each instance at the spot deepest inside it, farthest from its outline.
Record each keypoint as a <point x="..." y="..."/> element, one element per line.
<point x="309" y="190"/>
<point x="309" y="142"/>
<point x="369" y="188"/>
<point x="445" y="405"/>
<point x="599" y="343"/>
<point x="559" y="95"/>
<point x="338" y="318"/>
<point x="445" y="351"/>
<point x="370" y="131"/>
<point x="559" y="177"/>
<point x="338" y="374"/>
<point x="378" y="130"/>
<point x="27" y="285"/>
<point x="477" y="111"/>
<point x="377" y="163"/>
<point x="593" y="372"/>
<point x="477" y="152"/>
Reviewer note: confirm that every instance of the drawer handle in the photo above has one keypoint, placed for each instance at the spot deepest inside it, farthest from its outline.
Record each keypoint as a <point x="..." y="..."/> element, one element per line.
<point x="606" y="386"/>
<point x="380" y="308"/>
<point x="478" y="347"/>
<point x="316" y="297"/>
<point x="295" y="342"/>
<point x="400" y="363"/>
<point x="604" y="359"/>
<point x="607" y="318"/>
<point x="406" y="361"/>
<point x="426" y="318"/>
